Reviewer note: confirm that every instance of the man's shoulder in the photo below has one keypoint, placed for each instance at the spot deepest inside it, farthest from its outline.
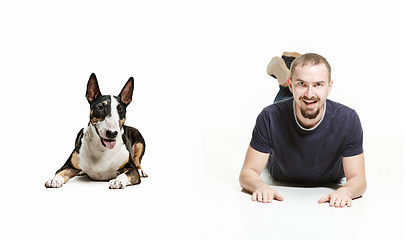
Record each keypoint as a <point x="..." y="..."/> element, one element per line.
<point x="339" y="109"/>
<point x="281" y="106"/>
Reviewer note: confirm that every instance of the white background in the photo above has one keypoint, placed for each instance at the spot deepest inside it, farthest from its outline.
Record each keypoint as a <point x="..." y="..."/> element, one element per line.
<point x="200" y="82"/>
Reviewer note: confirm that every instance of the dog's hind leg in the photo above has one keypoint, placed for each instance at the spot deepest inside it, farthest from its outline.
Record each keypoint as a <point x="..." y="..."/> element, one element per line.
<point x="138" y="151"/>
<point x="136" y="146"/>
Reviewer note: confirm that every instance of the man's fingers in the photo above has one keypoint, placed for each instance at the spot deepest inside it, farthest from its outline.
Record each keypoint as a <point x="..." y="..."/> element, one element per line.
<point x="278" y="197"/>
<point x="324" y="199"/>
<point x="265" y="197"/>
<point x="343" y="203"/>
<point x="269" y="197"/>
<point x="259" y="197"/>
<point x="349" y="203"/>
<point x="332" y="201"/>
<point x="346" y="202"/>
<point x="340" y="202"/>
<point x="254" y="196"/>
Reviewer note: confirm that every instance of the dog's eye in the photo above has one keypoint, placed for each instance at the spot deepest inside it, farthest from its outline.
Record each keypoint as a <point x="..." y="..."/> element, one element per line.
<point x="100" y="107"/>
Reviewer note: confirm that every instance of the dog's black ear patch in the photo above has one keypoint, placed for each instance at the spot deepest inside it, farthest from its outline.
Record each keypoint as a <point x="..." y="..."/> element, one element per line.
<point x="126" y="92"/>
<point x="93" y="91"/>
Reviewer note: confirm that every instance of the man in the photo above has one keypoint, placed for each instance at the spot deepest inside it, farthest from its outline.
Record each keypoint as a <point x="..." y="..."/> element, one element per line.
<point x="307" y="138"/>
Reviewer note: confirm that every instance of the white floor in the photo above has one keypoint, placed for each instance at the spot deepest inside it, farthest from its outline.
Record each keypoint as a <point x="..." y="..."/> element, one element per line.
<point x="205" y="202"/>
<point x="379" y="214"/>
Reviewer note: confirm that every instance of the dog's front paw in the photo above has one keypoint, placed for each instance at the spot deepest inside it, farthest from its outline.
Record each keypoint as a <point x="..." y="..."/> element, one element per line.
<point x="116" y="184"/>
<point x="55" y="182"/>
<point x="120" y="182"/>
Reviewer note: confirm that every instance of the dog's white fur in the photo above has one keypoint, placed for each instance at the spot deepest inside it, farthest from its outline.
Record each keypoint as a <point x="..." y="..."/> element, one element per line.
<point x="55" y="182"/>
<point x="110" y="123"/>
<point x="120" y="182"/>
<point x="98" y="162"/>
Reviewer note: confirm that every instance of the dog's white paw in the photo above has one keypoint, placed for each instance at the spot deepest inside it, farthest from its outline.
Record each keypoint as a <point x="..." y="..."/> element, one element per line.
<point x="116" y="184"/>
<point x="55" y="182"/>
<point x="120" y="182"/>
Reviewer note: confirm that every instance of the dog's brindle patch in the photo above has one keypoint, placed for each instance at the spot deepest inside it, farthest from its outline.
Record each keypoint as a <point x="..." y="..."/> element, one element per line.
<point x="100" y="108"/>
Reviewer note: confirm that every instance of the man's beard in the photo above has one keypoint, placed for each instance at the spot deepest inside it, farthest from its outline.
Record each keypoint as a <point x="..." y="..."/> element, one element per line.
<point x="310" y="115"/>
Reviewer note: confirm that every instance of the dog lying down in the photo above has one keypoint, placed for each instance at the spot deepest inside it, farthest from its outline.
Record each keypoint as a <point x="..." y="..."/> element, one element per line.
<point x="106" y="149"/>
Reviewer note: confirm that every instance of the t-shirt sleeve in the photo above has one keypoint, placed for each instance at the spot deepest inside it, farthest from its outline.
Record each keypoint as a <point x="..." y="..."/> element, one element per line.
<point x="354" y="143"/>
<point x="261" y="134"/>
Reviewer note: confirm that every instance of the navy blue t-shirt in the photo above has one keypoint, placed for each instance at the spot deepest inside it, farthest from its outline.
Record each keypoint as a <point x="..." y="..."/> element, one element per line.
<point x="307" y="156"/>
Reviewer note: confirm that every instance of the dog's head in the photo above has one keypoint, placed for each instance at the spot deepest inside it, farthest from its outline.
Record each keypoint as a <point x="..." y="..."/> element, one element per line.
<point x="107" y="112"/>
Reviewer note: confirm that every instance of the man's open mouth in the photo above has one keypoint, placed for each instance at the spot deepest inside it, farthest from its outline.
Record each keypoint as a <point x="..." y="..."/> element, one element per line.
<point x="310" y="102"/>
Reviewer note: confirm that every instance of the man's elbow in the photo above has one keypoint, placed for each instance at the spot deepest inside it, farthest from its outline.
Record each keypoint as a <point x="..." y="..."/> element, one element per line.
<point x="242" y="177"/>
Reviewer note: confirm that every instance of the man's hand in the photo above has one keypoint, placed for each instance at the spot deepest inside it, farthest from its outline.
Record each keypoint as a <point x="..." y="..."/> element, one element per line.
<point x="338" y="199"/>
<point x="265" y="194"/>
<point x="355" y="184"/>
<point x="250" y="180"/>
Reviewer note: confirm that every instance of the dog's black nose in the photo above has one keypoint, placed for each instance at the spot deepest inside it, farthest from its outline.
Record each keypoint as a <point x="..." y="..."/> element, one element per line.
<point x="111" y="134"/>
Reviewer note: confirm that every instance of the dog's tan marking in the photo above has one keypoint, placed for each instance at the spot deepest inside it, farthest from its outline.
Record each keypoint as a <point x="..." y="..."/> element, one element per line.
<point x="123" y="164"/>
<point x="105" y="103"/>
<point x="68" y="174"/>
<point x="94" y="120"/>
<point x="122" y="121"/>
<point x="137" y="148"/>
<point x="75" y="160"/>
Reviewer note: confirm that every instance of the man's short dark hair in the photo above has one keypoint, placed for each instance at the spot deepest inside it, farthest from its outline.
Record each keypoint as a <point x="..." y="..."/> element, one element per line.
<point x="309" y="59"/>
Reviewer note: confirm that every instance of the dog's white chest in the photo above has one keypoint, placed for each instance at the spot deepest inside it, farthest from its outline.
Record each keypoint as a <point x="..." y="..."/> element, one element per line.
<point x="103" y="165"/>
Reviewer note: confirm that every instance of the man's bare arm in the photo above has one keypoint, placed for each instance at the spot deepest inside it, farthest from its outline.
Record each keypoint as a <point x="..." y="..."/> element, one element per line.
<point x="355" y="186"/>
<point x="250" y="179"/>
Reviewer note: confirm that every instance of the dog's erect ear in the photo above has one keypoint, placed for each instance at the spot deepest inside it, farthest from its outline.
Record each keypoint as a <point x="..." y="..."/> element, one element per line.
<point x="93" y="91"/>
<point x="126" y="92"/>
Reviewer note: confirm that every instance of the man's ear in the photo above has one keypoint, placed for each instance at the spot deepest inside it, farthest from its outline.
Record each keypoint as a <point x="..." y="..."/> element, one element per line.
<point x="330" y="86"/>
<point x="289" y="83"/>
<point x="93" y="91"/>
<point x="126" y="92"/>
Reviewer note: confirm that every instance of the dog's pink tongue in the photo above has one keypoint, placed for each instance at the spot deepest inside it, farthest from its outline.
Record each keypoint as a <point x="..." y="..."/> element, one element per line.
<point x="110" y="144"/>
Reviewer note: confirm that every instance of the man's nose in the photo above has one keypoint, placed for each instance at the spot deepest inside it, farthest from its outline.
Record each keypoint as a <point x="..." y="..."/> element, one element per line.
<point x="309" y="93"/>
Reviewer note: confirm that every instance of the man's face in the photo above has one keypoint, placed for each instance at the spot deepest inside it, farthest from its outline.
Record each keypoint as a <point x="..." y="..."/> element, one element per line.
<point x="310" y="87"/>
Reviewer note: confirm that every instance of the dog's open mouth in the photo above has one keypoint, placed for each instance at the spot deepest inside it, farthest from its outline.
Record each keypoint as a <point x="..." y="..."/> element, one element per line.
<point x="108" y="143"/>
